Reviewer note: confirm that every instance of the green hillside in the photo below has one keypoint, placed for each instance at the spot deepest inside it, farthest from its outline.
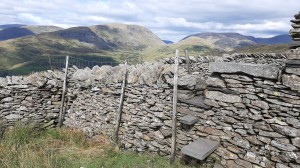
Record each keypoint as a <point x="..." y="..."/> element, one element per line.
<point x="116" y="42"/>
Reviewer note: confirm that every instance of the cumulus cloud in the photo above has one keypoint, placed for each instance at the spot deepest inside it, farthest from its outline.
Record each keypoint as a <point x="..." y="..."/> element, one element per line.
<point x="170" y="19"/>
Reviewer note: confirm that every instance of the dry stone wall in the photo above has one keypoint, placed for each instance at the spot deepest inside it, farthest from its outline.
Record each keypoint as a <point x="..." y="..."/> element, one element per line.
<point x="31" y="99"/>
<point x="256" y="113"/>
<point x="248" y="102"/>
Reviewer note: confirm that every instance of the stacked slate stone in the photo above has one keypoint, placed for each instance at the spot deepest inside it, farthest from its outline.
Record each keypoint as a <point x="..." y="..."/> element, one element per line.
<point x="293" y="56"/>
<point x="295" y="32"/>
<point x="293" y="63"/>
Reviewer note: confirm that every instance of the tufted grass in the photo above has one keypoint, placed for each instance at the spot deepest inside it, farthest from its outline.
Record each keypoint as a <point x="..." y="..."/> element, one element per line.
<point x="29" y="147"/>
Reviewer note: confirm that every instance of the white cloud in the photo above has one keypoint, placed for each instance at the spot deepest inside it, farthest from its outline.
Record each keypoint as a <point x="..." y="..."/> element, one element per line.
<point x="170" y="19"/>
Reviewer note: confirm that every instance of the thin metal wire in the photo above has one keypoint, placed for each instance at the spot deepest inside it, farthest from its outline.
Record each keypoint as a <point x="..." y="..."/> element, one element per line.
<point x="58" y="62"/>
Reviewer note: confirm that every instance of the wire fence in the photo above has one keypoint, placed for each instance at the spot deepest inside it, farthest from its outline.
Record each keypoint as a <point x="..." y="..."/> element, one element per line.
<point x="59" y="63"/>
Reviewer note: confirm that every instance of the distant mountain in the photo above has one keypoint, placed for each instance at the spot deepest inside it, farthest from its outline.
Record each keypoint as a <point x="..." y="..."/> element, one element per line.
<point x="221" y="41"/>
<point x="231" y="41"/>
<point x="42" y="29"/>
<point x="10" y="25"/>
<point x="114" y="40"/>
<point x="263" y="48"/>
<point x="168" y="41"/>
<point x="280" y="39"/>
<point x="25" y="47"/>
<point x="16" y="31"/>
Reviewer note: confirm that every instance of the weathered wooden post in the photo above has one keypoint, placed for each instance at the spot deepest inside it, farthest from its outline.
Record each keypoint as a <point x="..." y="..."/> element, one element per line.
<point x="61" y="113"/>
<point x="174" y="116"/>
<point x="50" y="61"/>
<point x="187" y="62"/>
<point x="119" y="113"/>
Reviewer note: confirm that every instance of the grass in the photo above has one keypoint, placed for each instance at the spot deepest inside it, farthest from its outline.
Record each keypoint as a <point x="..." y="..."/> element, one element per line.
<point x="29" y="147"/>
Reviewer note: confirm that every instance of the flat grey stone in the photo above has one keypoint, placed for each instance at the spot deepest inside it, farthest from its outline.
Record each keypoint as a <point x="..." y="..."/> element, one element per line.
<point x="295" y="31"/>
<point x="217" y="166"/>
<point x="7" y="99"/>
<point x="295" y="21"/>
<point x="229" y="98"/>
<point x="284" y="147"/>
<point x="82" y="74"/>
<point x="13" y="117"/>
<point x="197" y="101"/>
<point x="294" y="70"/>
<point x="200" y="148"/>
<point x="292" y="81"/>
<point x="257" y="70"/>
<point x="188" y="120"/>
<point x="216" y="82"/>
<point x="293" y="63"/>
<point x="3" y="81"/>
<point x="295" y="26"/>
<point x="293" y="54"/>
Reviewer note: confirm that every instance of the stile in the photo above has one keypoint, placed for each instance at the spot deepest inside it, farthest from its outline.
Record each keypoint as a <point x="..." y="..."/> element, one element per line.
<point x="119" y="114"/>
<point x="174" y="116"/>
<point x="61" y="113"/>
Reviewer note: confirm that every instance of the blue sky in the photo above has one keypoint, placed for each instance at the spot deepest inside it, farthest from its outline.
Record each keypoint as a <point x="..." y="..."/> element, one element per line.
<point x="169" y="19"/>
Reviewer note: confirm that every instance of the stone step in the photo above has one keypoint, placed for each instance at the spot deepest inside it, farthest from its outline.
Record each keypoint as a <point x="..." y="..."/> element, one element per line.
<point x="200" y="149"/>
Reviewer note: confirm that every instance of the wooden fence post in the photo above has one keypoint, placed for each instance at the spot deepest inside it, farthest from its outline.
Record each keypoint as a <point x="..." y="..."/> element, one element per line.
<point x="119" y="114"/>
<point x="174" y="116"/>
<point x="187" y="62"/>
<point x="50" y="61"/>
<point x="61" y="113"/>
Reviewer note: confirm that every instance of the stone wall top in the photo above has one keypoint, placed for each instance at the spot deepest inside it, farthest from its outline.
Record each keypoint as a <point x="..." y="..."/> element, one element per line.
<point x="256" y="70"/>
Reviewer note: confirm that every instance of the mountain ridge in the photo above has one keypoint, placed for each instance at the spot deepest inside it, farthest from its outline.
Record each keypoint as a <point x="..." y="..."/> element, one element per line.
<point x="17" y="30"/>
<point x="118" y="42"/>
<point x="261" y="40"/>
<point x="113" y="40"/>
<point x="10" y="25"/>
